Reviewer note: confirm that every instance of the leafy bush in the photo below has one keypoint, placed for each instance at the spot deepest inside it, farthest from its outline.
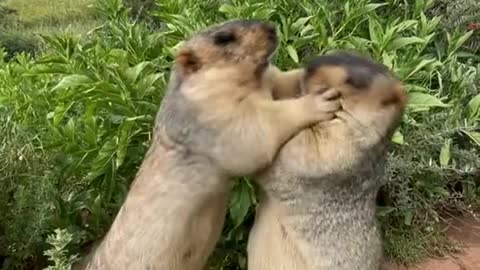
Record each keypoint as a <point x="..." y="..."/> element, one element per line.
<point x="58" y="253"/>
<point x="141" y="9"/>
<point x="463" y="14"/>
<point x="15" y="42"/>
<point x="5" y="13"/>
<point x="79" y="117"/>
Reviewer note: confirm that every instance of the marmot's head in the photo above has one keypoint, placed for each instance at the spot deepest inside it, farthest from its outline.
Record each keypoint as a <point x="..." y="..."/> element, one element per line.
<point x="248" y="43"/>
<point x="370" y="92"/>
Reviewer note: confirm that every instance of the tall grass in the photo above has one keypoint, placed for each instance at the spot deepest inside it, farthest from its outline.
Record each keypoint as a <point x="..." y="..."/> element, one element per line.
<point x="52" y="16"/>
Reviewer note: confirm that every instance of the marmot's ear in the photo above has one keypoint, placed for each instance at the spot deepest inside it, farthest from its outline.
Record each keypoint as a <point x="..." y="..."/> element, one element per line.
<point x="397" y="96"/>
<point x="187" y="62"/>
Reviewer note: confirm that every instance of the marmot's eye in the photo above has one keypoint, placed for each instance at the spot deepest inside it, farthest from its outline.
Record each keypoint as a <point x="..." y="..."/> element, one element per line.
<point x="224" y="38"/>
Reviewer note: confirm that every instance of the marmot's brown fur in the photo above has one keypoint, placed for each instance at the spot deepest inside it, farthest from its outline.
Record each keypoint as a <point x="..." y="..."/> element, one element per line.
<point x="216" y="121"/>
<point x="317" y="205"/>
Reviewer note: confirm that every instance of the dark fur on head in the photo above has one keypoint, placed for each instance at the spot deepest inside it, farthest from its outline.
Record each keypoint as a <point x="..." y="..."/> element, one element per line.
<point x="360" y="70"/>
<point x="365" y="85"/>
<point x="248" y="41"/>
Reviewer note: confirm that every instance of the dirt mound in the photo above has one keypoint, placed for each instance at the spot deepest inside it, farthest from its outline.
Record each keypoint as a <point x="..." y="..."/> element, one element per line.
<point x="466" y="231"/>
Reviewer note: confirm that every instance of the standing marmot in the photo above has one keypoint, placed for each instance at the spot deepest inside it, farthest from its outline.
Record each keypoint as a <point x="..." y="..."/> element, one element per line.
<point x="217" y="120"/>
<point x="318" y="201"/>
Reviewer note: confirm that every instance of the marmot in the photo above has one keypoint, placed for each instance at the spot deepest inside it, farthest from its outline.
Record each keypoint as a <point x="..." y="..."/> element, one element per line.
<point x="216" y="121"/>
<point x="318" y="198"/>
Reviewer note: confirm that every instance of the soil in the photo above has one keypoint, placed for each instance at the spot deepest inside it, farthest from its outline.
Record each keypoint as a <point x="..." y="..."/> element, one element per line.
<point x="466" y="231"/>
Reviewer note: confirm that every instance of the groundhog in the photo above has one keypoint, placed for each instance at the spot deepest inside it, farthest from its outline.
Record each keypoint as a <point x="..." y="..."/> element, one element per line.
<point x="217" y="121"/>
<point x="318" y="199"/>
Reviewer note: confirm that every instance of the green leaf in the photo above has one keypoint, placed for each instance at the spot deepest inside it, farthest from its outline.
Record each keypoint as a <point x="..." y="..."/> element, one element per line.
<point x="403" y="42"/>
<point x="474" y="107"/>
<point x="123" y="142"/>
<point x="441" y="191"/>
<point x="475" y="136"/>
<point x="445" y="154"/>
<point x="292" y="53"/>
<point x="240" y="203"/>
<point x="118" y="53"/>
<point x="366" y="9"/>
<point x="96" y="207"/>
<point x="58" y="114"/>
<point x="307" y="29"/>
<point x="358" y="41"/>
<point x="300" y="23"/>
<point x="228" y="9"/>
<point x="405" y="25"/>
<point x="459" y="42"/>
<point x="424" y="100"/>
<point x="387" y="60"/>
<point x="398" y="138"/>
<point x="90" y="134"/>
<point x="422" y="64"/>
<point x="146" y="84"/>
<point x="134" y="72"/>
<point x="467" y="55"/>
<point x="69" y="130"/>
<point x="72" y="80"/>
<point x="103" y="158"/>
<point x="52" y="59"/>
<point x="373" y="29"/>
<point x="408" y="217"/>
<point x="384" y="210"/>
<point x="263" y="13"/>
<point x="419" y="6"/>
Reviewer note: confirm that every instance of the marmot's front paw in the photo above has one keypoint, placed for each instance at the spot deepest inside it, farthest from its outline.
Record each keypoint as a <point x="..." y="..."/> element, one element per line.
<point x="326" y="103"/>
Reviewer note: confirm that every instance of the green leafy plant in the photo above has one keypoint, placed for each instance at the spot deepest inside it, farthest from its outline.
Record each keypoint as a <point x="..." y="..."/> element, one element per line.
<point x="15" y="42"/>
<point x="78" y="115"/>
<point x="58" y="254"/>
<point x="460" y="14"/>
